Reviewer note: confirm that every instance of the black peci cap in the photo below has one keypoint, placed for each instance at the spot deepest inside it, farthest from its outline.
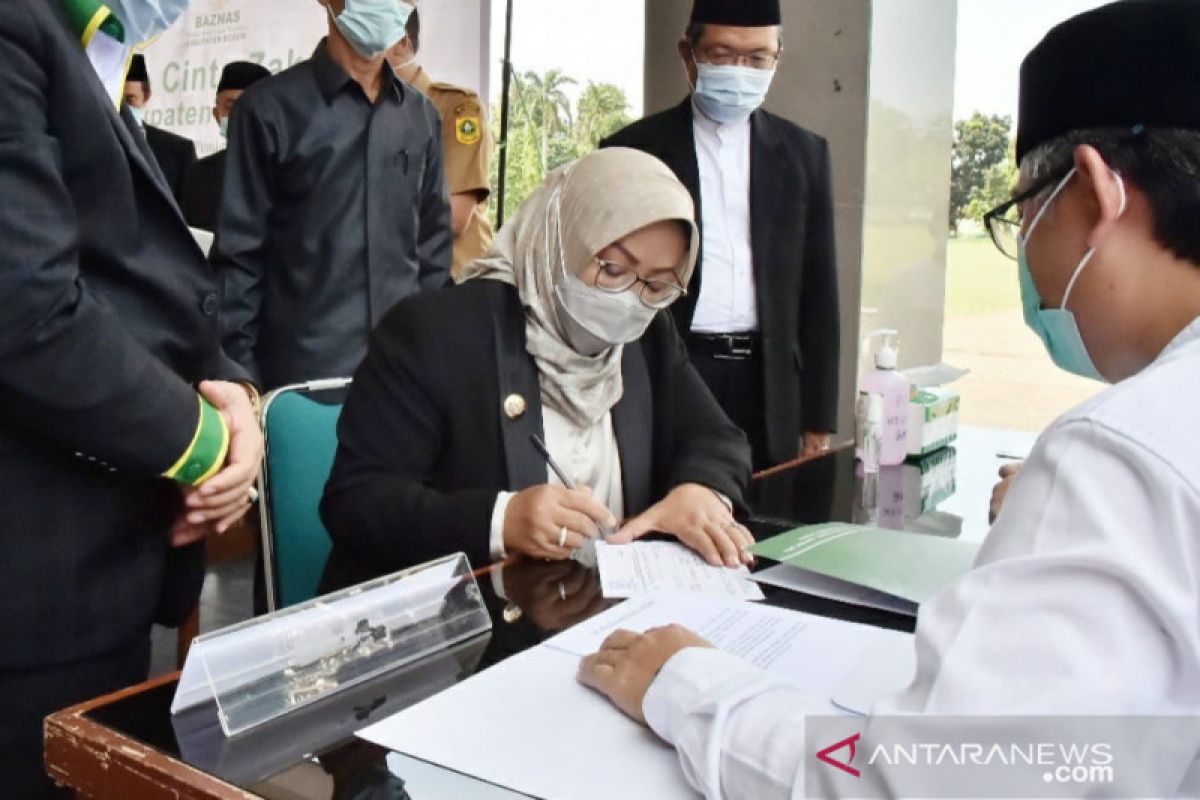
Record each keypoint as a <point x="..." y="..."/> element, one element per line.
<point x="241" y="75"/>
<point x="738" y="13"/>
<point x="1133" y="63"/>
<point x="137" y="69"/>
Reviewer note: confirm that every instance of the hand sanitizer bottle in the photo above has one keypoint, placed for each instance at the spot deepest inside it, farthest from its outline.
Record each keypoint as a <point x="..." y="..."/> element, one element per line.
<point x="893" y="388"/>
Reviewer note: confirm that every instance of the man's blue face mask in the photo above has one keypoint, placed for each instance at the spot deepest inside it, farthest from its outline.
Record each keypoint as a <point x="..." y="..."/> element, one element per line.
<point x="373" y="26"/>
<point x="730" y="93"/>
<point x="1057" y="327"/>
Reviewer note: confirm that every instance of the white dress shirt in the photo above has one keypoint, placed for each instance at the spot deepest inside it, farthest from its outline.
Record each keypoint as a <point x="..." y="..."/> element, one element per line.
<point x="1085" y="600"/>
<point x="589" y="456"/>
<point x="728" y="299"/>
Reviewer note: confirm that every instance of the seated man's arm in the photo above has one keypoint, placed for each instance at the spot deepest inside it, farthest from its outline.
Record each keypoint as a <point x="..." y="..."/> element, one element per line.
<point x="1083" y="602"/>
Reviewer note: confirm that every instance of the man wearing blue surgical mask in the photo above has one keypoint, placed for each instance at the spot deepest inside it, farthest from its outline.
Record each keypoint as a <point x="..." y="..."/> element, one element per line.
<point x="334" y="206"/>
<point x="761" y="315"/>
<point x="124" y="437"/>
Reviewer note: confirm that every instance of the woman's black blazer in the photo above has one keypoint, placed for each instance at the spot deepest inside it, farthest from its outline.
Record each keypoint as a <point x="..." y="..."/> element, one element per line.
<point x="426" y="443"/>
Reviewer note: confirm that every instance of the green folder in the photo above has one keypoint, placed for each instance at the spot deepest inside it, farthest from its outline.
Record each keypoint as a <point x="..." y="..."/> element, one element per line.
<point x="912" y="566"/>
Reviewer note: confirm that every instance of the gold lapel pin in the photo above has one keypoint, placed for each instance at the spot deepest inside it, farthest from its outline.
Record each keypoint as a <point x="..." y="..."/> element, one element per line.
<point x="514" y="406"/>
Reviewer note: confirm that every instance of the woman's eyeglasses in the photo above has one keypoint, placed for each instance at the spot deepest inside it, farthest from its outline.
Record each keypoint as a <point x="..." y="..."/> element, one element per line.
<point x="614" y="278"/>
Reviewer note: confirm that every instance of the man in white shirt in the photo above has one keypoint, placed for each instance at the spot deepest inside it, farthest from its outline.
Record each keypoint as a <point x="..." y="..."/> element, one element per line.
<point x="761" y="315"/>
<point x="1085" y="599"/>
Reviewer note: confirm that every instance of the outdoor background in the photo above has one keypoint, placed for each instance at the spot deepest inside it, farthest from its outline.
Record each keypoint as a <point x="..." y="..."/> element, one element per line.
<point x="566" y="98"/>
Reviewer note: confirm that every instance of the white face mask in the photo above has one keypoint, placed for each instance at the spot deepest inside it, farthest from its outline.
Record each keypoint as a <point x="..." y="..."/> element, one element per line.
<point x="137" y="114"/>
<point x="593" y="321"/>
<point x="145" y="19"/>
<point x="223" y="124"/>
<point x="596" y="320"/>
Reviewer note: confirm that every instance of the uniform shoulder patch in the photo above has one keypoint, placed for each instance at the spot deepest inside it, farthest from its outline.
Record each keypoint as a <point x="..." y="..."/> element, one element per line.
<point x="468" y="128"/>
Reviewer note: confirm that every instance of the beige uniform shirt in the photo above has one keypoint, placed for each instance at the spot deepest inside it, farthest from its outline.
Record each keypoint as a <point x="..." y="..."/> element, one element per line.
<point x="467" y="143"/>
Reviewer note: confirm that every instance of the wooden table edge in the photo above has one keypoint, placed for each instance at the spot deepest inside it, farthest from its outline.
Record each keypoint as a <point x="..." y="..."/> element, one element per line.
<point x="98" y="762"/>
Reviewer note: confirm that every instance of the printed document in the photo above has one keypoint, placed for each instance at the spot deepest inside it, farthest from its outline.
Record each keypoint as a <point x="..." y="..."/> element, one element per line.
<point x="630" y="570"/>
<point x="526" y="724"/>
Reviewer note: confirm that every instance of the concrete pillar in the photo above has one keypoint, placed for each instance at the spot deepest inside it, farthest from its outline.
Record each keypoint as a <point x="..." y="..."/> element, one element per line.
<point x="876" y="79"/>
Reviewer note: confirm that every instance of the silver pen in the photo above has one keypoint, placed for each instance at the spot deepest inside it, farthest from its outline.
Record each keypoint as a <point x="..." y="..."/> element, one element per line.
<point x="605" y="530"/>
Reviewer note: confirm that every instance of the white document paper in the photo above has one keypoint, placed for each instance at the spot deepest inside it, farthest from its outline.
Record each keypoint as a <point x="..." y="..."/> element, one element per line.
<point x="528" y="725"/>
<point x="631" y="570"/>
<point x="798" y="579"/>
<point x="777" y="640"/>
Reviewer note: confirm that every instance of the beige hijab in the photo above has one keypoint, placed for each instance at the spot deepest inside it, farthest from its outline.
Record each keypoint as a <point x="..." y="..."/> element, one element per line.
<point x="581" y="209"/>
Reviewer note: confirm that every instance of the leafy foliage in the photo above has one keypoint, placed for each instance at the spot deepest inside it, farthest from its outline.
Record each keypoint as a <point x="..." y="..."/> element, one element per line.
<point x="546" y="130"/>
<point x="982" y="167"/>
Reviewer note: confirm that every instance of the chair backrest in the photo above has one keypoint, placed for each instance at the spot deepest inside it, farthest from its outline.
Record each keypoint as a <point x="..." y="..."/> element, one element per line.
<point x="300" y="427"/>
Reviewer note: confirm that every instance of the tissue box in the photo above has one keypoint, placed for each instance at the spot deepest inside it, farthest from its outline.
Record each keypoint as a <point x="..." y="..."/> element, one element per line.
<point x="932" y="419"/>
<point x="915" y="488"/>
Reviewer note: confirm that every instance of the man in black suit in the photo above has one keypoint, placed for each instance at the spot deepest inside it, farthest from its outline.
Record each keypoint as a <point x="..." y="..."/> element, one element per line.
<point x="202" y="184"/>
<point x="117" y="459"/>
<point x="761" y="315"/>
<point x="174" y="154"/>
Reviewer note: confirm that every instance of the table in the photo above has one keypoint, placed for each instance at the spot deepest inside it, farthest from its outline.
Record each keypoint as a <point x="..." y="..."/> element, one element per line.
<point x="127" y="745"/>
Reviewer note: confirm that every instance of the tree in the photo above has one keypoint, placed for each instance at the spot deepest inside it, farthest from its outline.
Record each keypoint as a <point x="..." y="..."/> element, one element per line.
<point x="602" y="112"/>
<point x="981" y="145"/>
<point x="546" y="107"/>
<point x="996" y="188"/>
<point x="545" y="132"/>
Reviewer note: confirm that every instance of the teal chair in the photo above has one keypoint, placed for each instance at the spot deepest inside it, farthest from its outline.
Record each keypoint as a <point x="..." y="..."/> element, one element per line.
<point x="300" y="427"/>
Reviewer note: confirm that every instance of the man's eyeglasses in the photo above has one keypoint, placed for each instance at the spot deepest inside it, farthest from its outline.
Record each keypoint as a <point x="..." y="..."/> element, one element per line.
<point x="724" y="57"/>
<point x="614" y="278"/>
<point x="1003" y="222"/>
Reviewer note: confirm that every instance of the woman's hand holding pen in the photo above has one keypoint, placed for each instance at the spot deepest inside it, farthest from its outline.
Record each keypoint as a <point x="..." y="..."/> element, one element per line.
<point x="552" y="522"/>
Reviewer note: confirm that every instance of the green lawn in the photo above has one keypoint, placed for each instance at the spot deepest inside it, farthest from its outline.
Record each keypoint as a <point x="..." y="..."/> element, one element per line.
<point x="979" y="279"/>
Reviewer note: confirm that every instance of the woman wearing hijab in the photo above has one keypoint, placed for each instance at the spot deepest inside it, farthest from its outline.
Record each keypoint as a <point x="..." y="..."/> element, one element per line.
<point x="556" y="334"/>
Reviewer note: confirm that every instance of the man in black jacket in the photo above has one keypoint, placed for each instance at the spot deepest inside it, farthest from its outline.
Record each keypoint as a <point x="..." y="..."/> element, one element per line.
<point x="201" y="197"/>
<point x="117" y="459"/>
<point x="761" y="315"/>
<point x="175" y="154"/>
